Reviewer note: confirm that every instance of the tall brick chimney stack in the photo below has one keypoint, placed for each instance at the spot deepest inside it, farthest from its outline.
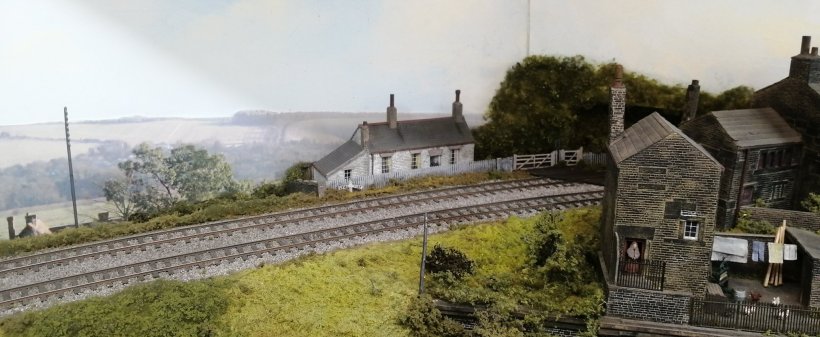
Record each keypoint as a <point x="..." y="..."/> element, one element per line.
<point x="690" y="107"/>
<point x="458" y="108"/>
<point x="392" y="113"/>
<point x="365" y="133"/>
<point x="806" y="65"/>
<point x="617" y="104"/>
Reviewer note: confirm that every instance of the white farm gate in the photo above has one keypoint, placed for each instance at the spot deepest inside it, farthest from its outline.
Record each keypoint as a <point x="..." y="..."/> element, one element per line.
<point x="534" y="161"/>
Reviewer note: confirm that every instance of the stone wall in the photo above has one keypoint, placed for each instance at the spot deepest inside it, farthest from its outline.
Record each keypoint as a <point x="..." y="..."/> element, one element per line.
<point x="402" y="160"/>
<point x="672" y="171"/>
<point x="656" y="306"/>
<point x="803" y="220"/>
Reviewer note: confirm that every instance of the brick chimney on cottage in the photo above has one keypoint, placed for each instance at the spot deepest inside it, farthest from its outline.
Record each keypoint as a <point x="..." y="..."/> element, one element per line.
<point x="617" y="104"/>
<point x="806" y="65"/>
<point x="458" y="109"/>
<point x="690" y="107"/>
<point x="364" y="129"/>
<point x="392" y="113"/>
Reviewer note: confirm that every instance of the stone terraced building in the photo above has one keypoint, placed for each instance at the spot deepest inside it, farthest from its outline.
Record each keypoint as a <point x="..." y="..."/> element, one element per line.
<point x="396" y="145"/>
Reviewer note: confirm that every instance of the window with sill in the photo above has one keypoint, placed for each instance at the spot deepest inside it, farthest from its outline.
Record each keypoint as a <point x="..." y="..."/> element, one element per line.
<point x="385" y="164"/>
<point x="348" y="173"/>
<point x="453" y="156"/>
<point x="777" y="190"/>
<point x="414" y="161"/>
<point x="435" y="161"/>
<point x="691" y="229"/>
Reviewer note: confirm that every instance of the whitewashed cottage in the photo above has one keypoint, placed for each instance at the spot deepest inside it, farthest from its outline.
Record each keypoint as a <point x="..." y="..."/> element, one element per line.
<point x="395" y="145"/>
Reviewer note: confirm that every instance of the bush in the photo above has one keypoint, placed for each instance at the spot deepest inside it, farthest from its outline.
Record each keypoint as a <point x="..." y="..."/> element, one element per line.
<point x="450" y="260"/>
<point x="746" y="224"/>
<point x="424" y="320"/>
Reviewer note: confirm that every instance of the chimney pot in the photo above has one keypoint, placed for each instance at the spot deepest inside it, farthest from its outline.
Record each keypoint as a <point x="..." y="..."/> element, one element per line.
<point x="392" y="113"/>
<point x="814" y="51"/>
<point x="458" y="108"/>
<point x="365" y="134"/>
<point x="805" y="46"/>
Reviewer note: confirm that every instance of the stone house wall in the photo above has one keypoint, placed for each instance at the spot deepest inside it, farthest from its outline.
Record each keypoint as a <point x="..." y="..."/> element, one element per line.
<point x="652" y="187"/>
<point x="401" y="160"/>
<point x="657" y="306"/>
<point x="799" y="105"/>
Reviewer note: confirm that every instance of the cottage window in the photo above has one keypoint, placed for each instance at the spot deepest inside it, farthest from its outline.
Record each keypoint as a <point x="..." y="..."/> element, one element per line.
<point x="385" y="164"/>
<point x="761" y="162"/>
<point x="690" y="229"/>
<point x="414" y="161"/>
<point x="435" y="161"/>
<point x="777" y="191"/>
<point x="772" y="159"/>
<point x="348" y="173"/>
<point x="453" y="156"/>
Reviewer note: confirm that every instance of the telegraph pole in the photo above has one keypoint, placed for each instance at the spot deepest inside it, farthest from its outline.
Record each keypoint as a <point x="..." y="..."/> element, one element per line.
<point x="423" y="257"/>
<point x="70" y="169"/>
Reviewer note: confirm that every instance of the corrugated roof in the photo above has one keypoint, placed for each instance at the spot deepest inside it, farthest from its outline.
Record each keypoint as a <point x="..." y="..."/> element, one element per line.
<point x="756" y="127"/>
<point x="340" y="156"/>
<point x="643" y="134"/>
<point x="418" y="134"/>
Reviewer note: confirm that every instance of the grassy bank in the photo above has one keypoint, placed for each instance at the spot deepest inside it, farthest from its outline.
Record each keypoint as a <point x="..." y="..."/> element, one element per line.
<point x="354" y="292"/>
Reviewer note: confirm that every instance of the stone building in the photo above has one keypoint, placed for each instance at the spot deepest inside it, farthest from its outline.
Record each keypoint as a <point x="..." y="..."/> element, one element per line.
<point x="658" y="218"/>
<point x="760" y="153"/>
<point x="797" y="99"/>
<point x="396" y="145"/>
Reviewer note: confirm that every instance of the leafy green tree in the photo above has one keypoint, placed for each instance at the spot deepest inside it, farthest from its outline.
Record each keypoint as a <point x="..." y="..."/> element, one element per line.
<point x="155" y="178"/>
<point x="546" y="103"/>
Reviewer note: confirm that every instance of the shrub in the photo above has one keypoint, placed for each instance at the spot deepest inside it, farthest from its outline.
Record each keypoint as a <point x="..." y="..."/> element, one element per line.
<point x="424" y="320"/>
<point x="746" y="224"/>
<point x="450" y="260"/>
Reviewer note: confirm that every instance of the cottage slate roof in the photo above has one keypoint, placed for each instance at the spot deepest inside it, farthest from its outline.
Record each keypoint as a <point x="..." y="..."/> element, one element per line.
<point x="418" y="134"/>
<point x="806" y="239"/>
<point x="643" y="134"/>
<point x="756" y="127"/>
<point x="408" y="135"/>
<point x="338" y="157"/>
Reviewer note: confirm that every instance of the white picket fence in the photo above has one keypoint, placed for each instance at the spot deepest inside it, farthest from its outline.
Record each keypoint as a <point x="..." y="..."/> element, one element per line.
<point x="544" y="160"/>
<point x="381" y="180"/>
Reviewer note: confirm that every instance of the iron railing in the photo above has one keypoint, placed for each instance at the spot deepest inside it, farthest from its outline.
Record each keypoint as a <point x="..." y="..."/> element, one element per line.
<point x="643" y="274"/>
<point x="752" y="316"/>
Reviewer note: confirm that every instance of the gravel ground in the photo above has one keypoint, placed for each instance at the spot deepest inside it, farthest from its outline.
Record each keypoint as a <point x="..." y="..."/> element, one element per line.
<point x="81" y="267"/>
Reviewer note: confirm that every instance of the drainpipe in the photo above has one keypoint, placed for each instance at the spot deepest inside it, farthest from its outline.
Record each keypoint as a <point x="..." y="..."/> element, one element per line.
<point x="742" y="181"/>
<point x="617" y="257"/>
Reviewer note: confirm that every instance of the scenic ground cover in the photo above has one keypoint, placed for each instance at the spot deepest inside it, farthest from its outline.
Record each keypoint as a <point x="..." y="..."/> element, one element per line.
<point x="363" y="291"/>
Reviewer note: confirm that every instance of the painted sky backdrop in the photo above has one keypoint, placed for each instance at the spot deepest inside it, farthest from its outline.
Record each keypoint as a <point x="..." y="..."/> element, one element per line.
<point x="108" y="59"/>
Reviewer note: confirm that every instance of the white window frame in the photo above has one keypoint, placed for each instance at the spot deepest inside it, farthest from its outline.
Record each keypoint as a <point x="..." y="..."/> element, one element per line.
<point x="687" y="229"/>
<point x="415" y="160"/>
<point x="436" y="162"/>
<point x="386" y="164"/>
<point x="348" y="174"/>
<point x="453" y="156"/>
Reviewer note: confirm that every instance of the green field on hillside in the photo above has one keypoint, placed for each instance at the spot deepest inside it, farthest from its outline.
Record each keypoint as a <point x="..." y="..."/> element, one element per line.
<point x="354" y="292"/>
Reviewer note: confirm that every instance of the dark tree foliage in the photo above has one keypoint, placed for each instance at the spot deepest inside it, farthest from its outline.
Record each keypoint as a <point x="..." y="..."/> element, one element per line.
<point x="548" y="102"/>
<point x="443" y="259"/>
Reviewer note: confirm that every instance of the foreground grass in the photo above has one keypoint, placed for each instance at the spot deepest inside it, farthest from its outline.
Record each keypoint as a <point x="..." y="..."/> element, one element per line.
<point x="240" y="206"/>
<point x="354" y="292"/>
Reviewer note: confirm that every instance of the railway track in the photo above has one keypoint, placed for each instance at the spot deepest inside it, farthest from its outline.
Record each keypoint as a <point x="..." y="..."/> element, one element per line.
<point x="165" y="267"/>
<point x="141" y="242"/>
